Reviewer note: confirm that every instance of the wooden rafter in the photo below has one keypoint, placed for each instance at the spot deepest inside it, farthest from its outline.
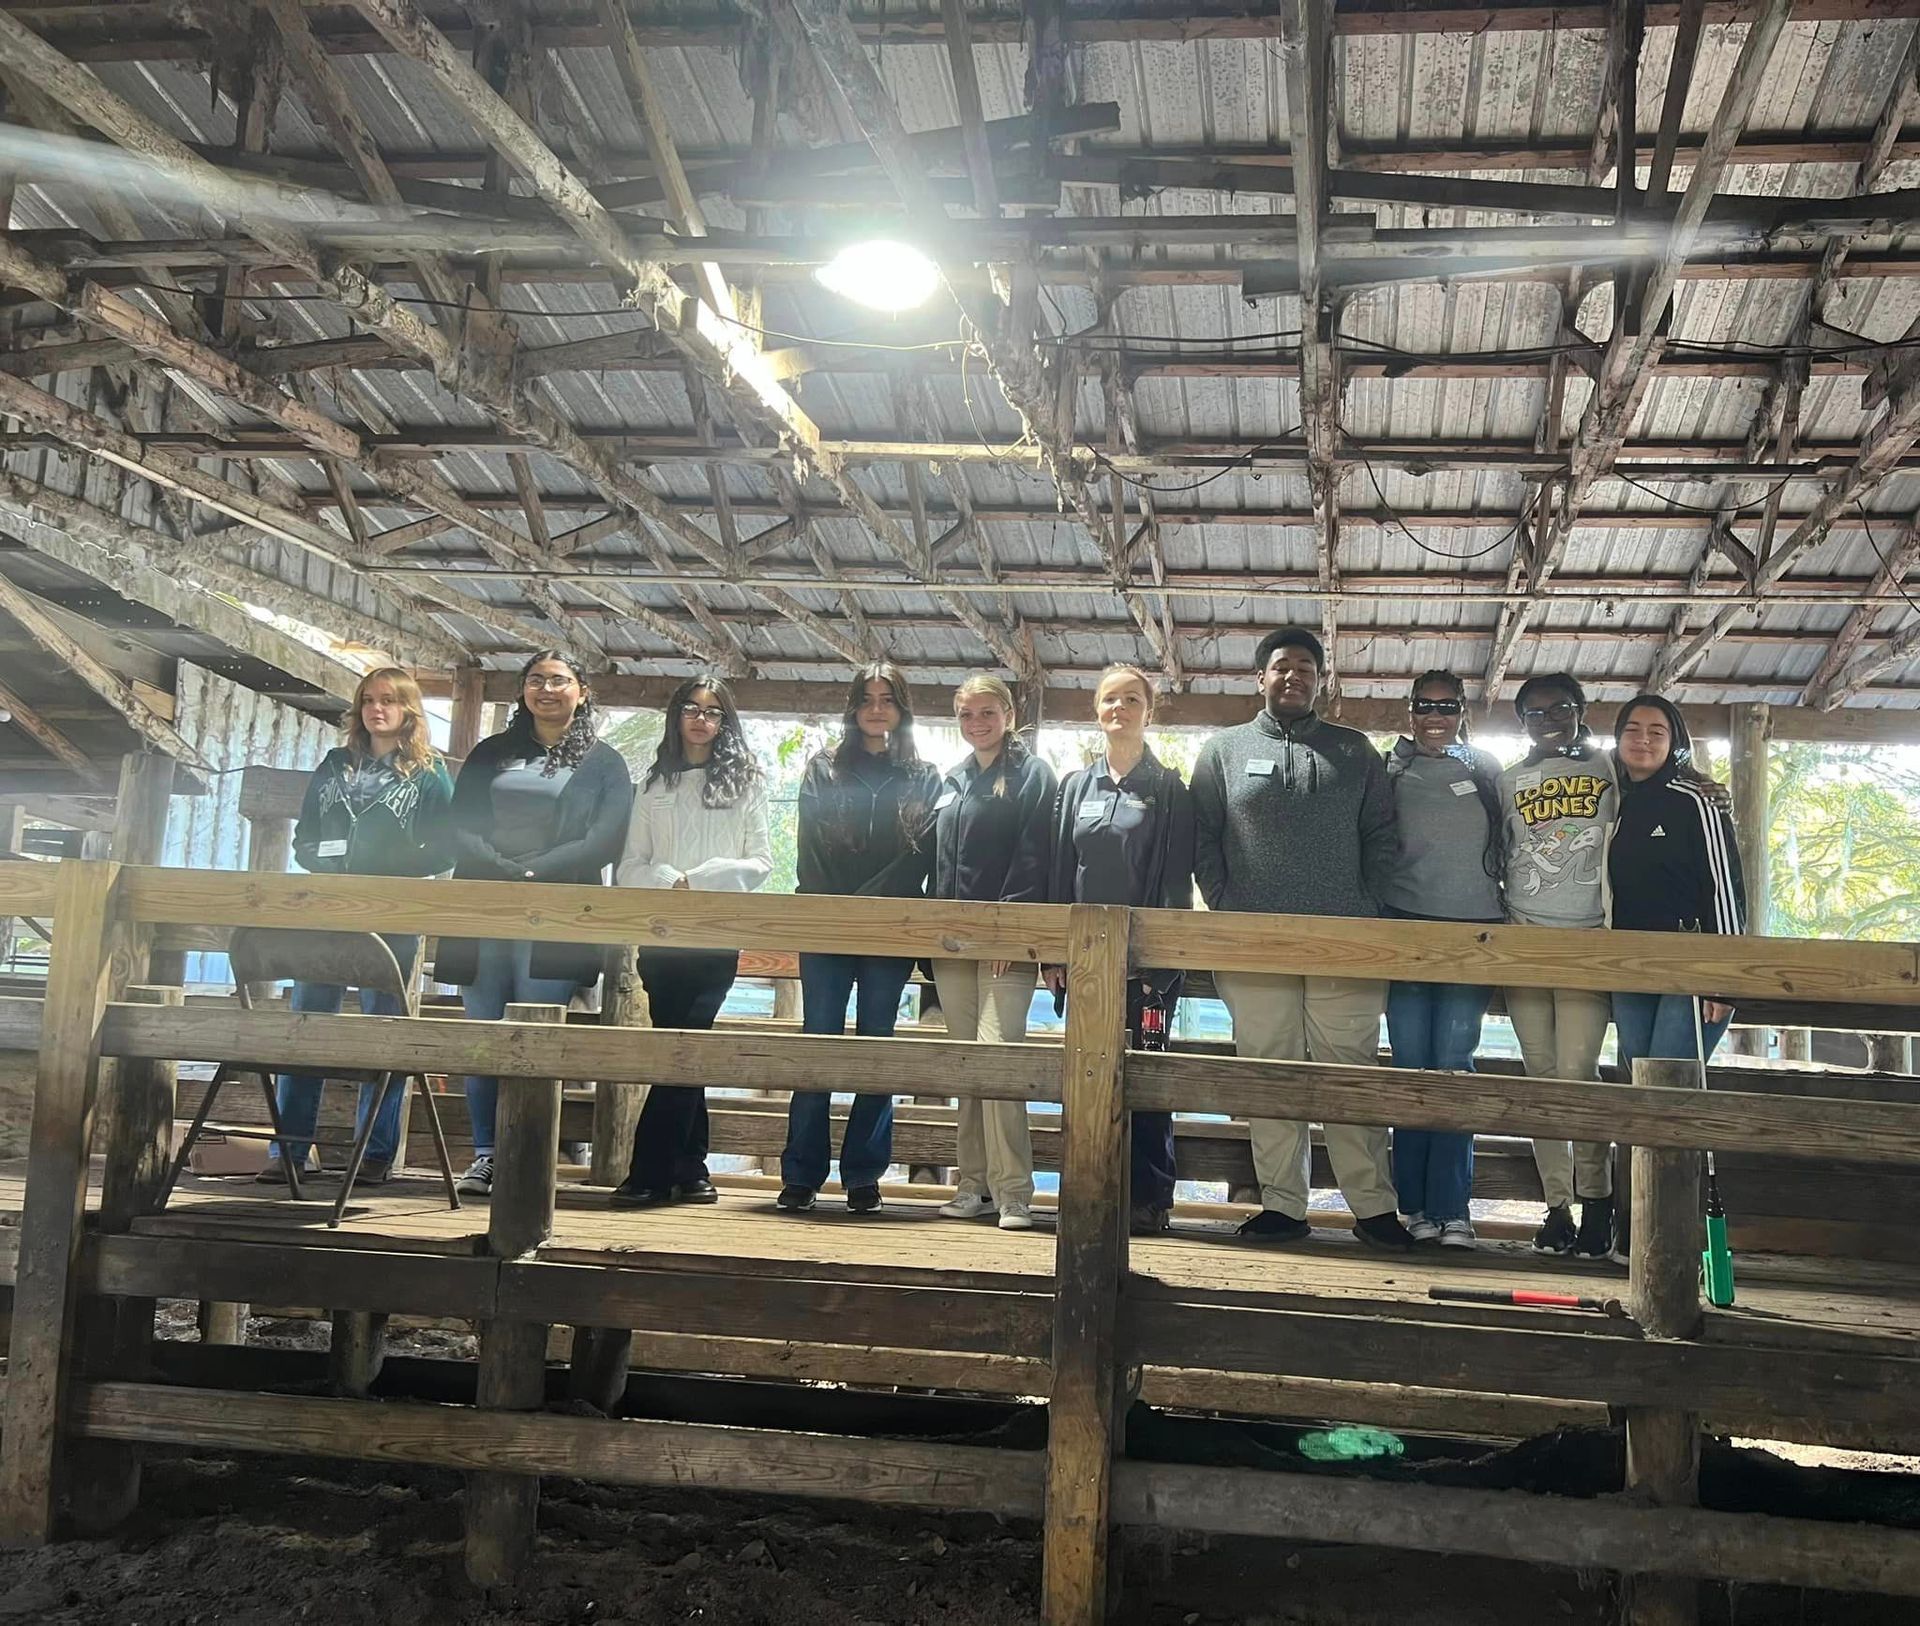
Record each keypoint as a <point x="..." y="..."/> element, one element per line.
<point x="1840" y="677"/>
<point x="1639" y="334"/>
<point x="41" y="626"/>
<point x="58" y="745"/>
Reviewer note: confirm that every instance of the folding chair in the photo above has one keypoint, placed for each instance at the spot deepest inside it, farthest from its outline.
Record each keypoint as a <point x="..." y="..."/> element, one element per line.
<point x="360" y="960"/>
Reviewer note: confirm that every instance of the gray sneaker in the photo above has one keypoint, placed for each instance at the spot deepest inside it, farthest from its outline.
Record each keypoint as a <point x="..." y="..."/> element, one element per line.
<point x="478" y="1180"/>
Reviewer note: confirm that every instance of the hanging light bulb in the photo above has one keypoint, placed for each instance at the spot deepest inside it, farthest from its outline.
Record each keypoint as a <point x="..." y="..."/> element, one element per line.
<point x="882" y="275"/>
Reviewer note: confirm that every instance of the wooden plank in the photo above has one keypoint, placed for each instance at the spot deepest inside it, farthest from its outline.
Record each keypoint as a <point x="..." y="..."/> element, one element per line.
<point x="1589" y="1534"/>
<point x="527" y="1144"/>
<point x="1091" y="1260"/>
<point x="593" y="914"/>
<point x="943" y="1067"/>
<point x="1745" y="1381"/>
<point x="1714" y="1120"/>
<point x="678" y="1455"/>
<point x="45" y="1284"/>
<point x="1531" y="956"/>
<point x="718" y="1304"/>
<point x="353" y="1278"/>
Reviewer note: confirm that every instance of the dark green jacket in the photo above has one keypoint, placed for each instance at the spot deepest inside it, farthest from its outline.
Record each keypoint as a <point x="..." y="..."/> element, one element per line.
<point x="402" y="830"/>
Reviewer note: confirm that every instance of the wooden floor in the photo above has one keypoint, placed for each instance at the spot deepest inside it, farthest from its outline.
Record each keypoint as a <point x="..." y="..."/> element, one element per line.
<point x="1783" y="1300"/>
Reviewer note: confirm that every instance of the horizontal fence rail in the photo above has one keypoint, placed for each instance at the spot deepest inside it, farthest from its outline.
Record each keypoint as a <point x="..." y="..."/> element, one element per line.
<point x="1077" y="1333"/>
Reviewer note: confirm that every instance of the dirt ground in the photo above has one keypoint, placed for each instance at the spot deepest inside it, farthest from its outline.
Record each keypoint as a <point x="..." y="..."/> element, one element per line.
<point x="263" y="1541"/>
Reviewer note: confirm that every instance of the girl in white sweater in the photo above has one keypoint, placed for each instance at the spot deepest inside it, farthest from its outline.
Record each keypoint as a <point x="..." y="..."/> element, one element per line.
<point x="699" y="824"/>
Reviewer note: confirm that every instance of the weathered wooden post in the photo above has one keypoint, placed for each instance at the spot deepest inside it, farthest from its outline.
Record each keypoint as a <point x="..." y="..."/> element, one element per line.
<point x="502" y="1509"/>
<point x="617" y="1102"/>
<point x="1089" y="1261"/>
<point x="1752" y="821"/>
<point x="39" y="1355"/>
<point x="117" y="1334"/>
<point x="1663" y="1446"/>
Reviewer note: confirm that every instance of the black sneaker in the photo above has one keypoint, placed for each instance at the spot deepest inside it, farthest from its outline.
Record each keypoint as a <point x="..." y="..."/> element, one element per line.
<point x="1595" y="1240"/>
<point x="630" y="1193"/>
<point x="1556" y="1233"/>
<point x="1143" y="1219"/>
<point x="1384" y="1232"/>
<point x="863" y="1199"/>
<point x="697" y="1191"/>
<point x="1270" y="1225"/>
<point x="794" y="1199"/>
<point x="373" y="1174"/>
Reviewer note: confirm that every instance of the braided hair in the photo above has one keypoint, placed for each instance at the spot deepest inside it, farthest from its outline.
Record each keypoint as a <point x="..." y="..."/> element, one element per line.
<point x="570" y="750"/>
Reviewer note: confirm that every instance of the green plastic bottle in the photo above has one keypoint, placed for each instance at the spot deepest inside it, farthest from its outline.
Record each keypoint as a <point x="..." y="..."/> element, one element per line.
<point x="1716" y="1263"/>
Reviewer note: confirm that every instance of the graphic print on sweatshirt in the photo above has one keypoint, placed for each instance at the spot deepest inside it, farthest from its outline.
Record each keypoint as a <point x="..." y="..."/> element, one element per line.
<point x="1558" y="821"/>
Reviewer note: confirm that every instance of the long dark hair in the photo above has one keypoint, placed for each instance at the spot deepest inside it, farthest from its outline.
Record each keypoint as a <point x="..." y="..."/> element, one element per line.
<point x="572" y="747"/>
<point x="731" y="768"/>
<point x="1680" y="753"/>
<point x="900" y="743"/>
<point x="1493" y="855"/>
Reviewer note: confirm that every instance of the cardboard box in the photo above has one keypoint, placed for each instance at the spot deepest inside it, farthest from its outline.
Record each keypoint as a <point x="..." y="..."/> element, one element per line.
<point x="218" y="1154"/>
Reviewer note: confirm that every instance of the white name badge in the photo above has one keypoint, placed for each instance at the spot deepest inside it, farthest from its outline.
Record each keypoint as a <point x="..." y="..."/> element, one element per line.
<point x="1096" y="807"/>
<point x="1463" y="787"/>
<point x="946" y="801"/>
<point x="1262" y="766"/>
<point x="331" y="849"/>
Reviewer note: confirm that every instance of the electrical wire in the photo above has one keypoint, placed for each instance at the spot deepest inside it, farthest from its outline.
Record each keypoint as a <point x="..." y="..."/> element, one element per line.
<point x="1760" y="501"/>
<point x="1101" y="460"/>
<point x="1393" y="514"/>
<point x="1893" y="580"/>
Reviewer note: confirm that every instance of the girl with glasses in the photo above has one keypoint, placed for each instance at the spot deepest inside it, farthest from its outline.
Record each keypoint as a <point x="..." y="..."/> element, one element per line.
<point x="993" y="843"/>
<point x="1446" y="797"/>
<point x="866" y="807"/>
<point x="1559" y="803"/>
<point x="542" y="800"/>
<point x="376" y="805"/>
<point x="699" y="825"/>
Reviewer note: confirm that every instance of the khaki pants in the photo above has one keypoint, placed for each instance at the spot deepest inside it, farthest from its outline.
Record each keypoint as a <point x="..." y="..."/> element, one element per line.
<point x="1326" y="1019"/>
<point x="1560" y="1032"/>
<point x="996" y="1150"/>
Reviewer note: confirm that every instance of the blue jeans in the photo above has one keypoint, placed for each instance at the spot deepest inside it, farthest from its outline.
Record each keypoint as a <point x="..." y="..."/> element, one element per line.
<point x="1436" y="1025"/>
<point x="502" y="978"/>
<point x="299" y="1093"/>
<point x="826" y="982"/>
<point x="1659" y="1025"/>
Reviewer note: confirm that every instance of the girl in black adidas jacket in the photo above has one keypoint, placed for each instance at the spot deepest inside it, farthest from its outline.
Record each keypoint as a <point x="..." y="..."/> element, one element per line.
<point x="1672" y="866"/>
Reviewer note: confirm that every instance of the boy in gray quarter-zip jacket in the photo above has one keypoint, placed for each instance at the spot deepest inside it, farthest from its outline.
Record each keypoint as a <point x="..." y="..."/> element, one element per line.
<point x="1294" y="815"/>
<point x="1295" y="818"/>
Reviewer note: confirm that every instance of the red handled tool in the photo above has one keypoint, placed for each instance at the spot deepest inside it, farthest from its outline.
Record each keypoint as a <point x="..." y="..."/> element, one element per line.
<point x="1528" y="1296"/>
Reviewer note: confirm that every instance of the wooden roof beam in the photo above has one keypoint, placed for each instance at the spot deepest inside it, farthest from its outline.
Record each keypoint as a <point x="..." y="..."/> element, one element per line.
<point x="58" y="745"/>
<point x="137" y="561"/>
<point x="1639" y="334"/>
<point x="45" y="631"/>
<point x="1835" y="683"/>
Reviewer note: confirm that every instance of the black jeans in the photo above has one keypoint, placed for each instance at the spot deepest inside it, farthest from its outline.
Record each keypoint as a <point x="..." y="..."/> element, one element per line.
<point x="685" y="989"/>
<point x="1152" y="1169"/>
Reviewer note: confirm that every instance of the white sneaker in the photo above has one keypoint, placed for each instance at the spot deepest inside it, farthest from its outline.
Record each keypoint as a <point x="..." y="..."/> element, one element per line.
<point x="968" y="1205"/>
<point x="1016" y="1217"/>
<point x="1422" y="1229"/>
<point x="1457" y="1234"/>
<point x="478" y="1180"/>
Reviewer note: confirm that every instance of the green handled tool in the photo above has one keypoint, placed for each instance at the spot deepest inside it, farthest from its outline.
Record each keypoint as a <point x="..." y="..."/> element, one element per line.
<point x="1716" y="1262"/>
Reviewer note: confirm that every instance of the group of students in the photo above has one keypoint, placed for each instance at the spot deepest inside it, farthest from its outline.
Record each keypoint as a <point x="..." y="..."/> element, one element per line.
<point x="1287" y="814"/>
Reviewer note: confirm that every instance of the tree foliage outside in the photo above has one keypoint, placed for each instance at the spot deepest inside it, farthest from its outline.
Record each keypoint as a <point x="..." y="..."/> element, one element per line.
<point x="1845" y="842"/>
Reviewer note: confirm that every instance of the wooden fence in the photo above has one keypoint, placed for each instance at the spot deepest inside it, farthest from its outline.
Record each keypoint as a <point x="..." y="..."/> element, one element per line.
<point x="76" y="1400"/>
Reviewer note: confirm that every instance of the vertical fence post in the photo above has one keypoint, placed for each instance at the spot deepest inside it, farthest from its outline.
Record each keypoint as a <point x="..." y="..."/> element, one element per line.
<point x="1663" y="1446"/>
<point x="39" y="1355"/>
<point x="502" y="1509"/>
<point x="1087" y="1271"/>
<point x="617" y="1102"/>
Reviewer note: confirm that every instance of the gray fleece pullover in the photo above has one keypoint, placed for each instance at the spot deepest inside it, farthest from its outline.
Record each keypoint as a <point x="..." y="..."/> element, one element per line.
<point x="1293" y="818"/>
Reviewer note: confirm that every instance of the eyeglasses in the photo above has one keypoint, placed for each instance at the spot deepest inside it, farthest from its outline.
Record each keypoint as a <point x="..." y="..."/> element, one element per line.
<point x="551" y="683"/>
<point x="711" y="714"/>
<point x="1560" y="711"/>
<point x="1437" y="708"/>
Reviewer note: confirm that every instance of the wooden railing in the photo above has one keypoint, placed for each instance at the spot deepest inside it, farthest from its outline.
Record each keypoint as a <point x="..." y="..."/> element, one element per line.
<point x="1100" y="1327"/>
